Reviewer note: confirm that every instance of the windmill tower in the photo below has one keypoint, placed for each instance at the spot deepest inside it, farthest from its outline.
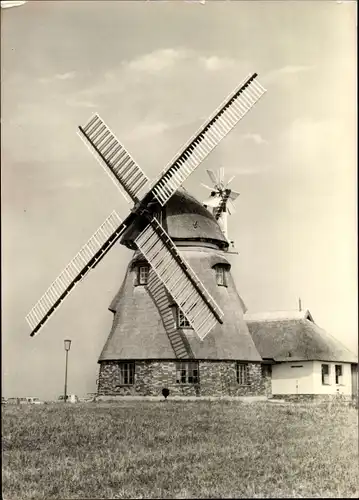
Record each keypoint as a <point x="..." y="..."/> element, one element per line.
<point x="178" y="319"/>
<point x="221" y="199"/>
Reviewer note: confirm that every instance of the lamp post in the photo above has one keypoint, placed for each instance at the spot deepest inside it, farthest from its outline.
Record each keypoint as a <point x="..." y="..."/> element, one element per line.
<point x="67" y="345"/>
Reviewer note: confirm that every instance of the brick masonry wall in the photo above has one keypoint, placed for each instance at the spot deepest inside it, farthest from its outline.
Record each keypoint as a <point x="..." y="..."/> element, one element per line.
<point x="216" y="378"/>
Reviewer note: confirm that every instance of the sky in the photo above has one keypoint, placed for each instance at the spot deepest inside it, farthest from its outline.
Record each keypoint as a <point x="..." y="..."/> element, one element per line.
<point x="154" y="71"/>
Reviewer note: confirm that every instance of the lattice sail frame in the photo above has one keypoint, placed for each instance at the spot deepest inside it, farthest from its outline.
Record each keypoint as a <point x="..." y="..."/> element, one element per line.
<point x="114" y="157"/>
<point x="223" y="120"/>
<point x="87" y="258"/>
<point x="187" y="290"/>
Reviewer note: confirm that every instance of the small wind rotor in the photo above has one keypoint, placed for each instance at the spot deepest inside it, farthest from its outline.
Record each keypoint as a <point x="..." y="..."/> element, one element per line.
<point x="221" y="198"/>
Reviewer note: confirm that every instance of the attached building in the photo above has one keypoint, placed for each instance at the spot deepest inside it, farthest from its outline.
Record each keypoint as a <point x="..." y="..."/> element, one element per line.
<point x="304" y="359"/>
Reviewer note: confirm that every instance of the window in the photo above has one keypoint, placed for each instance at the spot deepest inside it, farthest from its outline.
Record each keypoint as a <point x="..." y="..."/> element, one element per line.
<point x="325" y="374"/>
<point x="221" y="275"/>
<point x="242" y="374"/>
<point x="143" y="275"/>
<point x="187" y="373"/>
<point x="182" y="321"/>
<point x="127" y="373"/>
<point x="338" y="374"/>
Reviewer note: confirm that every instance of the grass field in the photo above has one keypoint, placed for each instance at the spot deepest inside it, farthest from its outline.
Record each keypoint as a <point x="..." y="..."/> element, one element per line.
<point x="200" y="449"/>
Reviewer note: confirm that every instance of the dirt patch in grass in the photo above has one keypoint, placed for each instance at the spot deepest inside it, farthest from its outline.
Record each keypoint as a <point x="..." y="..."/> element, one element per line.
<point x="179" y="450"/>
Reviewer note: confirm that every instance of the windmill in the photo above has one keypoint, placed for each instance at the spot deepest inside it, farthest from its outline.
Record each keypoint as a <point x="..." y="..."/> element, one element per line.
<point x="221" y="199"/>
<point x="154" y="243"/>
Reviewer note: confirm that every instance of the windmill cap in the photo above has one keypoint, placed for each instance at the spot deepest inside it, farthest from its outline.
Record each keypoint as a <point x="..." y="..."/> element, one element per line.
<point x="185" y="218"/>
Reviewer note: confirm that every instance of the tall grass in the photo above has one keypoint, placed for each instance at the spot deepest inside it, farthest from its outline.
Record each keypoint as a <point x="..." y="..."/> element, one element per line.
<point x="179" y="449"/>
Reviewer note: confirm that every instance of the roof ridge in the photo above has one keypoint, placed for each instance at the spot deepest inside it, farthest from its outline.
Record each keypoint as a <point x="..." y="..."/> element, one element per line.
<point x="279" y="315"/>
<point x="279" y="310"/>
<point x="334" y="338"/>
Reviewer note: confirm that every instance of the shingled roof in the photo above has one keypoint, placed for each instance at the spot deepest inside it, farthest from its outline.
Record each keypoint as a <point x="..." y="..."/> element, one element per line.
<point x="293" y="336"/>
<point x="138" y="330"/>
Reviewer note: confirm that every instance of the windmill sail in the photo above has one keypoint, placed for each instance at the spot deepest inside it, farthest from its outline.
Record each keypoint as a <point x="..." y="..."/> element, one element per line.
<point x="189" y="293"/>
<point x="114" y="156"/>
<point x="213" y="177"/>
<point x="233" y="194"/>
<point x="208" y="137"/>
<point x="87" y="258"/>
<point x="181" y="282"/>
<point x="231" y="209"/>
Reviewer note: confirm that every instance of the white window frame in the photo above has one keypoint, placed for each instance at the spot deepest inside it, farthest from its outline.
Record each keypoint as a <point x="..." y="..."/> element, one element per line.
<point x="143" y="272"/>
<point x="126" y="373"/>
<point x="187" y="372"/>
<point x="325" y="376"/>
<point x="339" y="378"/>
<point x="182" y="321"/>
<point x="221" y="275"/>
<point x="242" y="373"/>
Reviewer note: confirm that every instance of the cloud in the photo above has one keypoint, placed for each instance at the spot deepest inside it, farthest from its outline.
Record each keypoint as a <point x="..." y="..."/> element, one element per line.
<point x="162" y="59"/>
<point x="215" y="63"/>
<point x="293" y="69"/>
<point x="314" y="140"/>
<point x="65" y="76"/>
<point x="157" y="61"/>
<point x="136" y="74"/>
<point x="257" y="138"/>
<point x="146" y="130"/>
<point x="315" y="148"/>
<point x="277" y="74"/>
<point x="80" y="104"/>
<point x="250" y="170"/>
<point x="61" y="76"/>
<point x="139" y="97"/>
<point x="75" y="184"/>
<point x="141" y="74"/>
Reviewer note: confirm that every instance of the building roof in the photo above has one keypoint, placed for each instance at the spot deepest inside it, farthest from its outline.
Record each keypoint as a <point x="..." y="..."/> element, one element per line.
<point x="293" y="336"/>
<point x="138" y="330"/>
<point x="279" y="315"/>
<point x="184" y="218"/>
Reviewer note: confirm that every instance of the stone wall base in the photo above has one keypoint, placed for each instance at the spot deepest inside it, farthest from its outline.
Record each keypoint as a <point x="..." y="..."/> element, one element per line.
<point x="243" y="399"/>
<point x="216" y="378"/>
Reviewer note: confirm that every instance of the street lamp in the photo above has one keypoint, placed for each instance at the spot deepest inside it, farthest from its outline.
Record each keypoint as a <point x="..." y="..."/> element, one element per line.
<point x="67" y="345"/>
